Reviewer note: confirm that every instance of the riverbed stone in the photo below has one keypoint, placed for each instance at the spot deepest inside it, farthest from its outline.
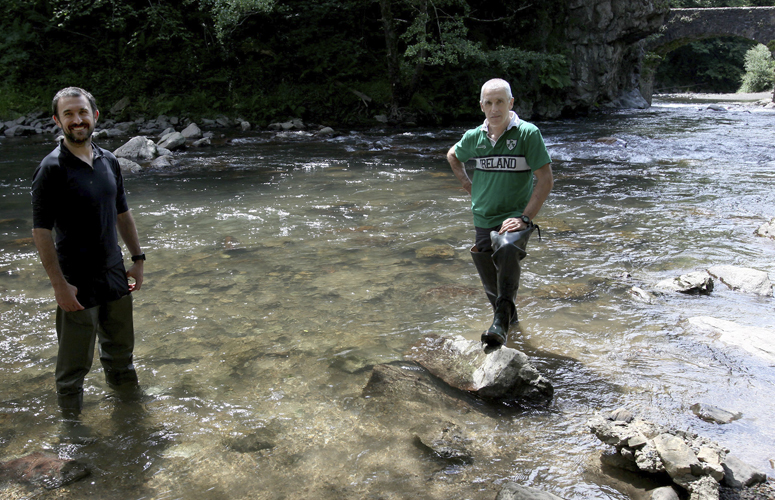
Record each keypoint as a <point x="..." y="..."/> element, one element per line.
<point x="695" y="283"/>
<point x="714" y="414"/>
<point x="435" y="252"/>
<point x="500" y="374"/>
<point x="162" y="162"/>
<point x="693" y="462"/>
<point x="173" y="141"/>
<point x="447" y="440"/>
<point x="757" y="341"/>
<point x="679" y="460"/>
<point x="743" y="279"/>
<point x="738" y="474"/>
<point x="570" y="291"/>
<point x="192" y="131"/>
<point x="43" y="469"/>
<point x="664" y="493"/>
<point x="128" y="166"/>
<point x="137" y="148"/>
<point x="767" y="229"/>
<point x="409" y="382"/>
<point x="514" y="491"/>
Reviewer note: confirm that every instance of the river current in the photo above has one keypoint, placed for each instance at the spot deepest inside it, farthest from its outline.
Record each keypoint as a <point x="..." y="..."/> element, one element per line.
<point x="281" y="269"/>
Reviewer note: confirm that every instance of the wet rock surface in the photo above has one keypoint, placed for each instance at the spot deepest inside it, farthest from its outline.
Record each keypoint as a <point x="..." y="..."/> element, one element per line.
<point x="500" y="374"/>
<point x="514" y="491"/>
<point x="43" y="469"/>
<point x="743" y="279"/>
<point x="696" y="464"/>
<point x="696" y="283"/>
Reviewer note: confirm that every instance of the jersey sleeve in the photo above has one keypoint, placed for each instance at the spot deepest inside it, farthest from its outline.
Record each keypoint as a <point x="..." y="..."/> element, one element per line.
<point x="121" y="203"/>
<point x="464" y="149"/>
<point x="44" y="197"/>
<point x="536" y="155"/>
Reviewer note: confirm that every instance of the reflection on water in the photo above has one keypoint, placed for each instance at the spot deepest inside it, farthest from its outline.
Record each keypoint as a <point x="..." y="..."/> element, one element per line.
<point x="282" y="270"/>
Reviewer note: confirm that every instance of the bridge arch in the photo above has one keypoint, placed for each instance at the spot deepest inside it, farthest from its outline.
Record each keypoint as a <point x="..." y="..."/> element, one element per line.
<point x="683" y="26"/>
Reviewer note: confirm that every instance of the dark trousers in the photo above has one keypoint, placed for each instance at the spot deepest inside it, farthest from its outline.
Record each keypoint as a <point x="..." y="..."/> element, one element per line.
<point x="482" y="239"/>
<point x="112" y="324"/>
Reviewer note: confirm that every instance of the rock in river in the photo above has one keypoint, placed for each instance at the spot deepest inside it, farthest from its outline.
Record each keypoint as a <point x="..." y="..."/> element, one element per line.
<point x="43" y="469"/>
<point x="501" y="374"/>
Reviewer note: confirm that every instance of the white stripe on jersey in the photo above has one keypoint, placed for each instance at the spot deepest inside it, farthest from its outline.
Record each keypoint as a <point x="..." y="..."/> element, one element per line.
<point x="506" y="163"/>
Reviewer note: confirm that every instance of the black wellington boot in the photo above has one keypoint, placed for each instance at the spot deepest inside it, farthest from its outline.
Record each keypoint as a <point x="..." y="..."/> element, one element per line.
<point x="508" y="250"/>
<point x="487" y="273"/>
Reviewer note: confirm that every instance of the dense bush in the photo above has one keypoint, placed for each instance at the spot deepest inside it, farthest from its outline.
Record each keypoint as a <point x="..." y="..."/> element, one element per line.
<point x="321" y="60"/>
<point x="759" y="70"/>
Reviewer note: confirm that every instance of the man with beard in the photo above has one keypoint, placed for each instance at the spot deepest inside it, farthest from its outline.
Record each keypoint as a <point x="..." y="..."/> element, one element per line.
<point x="78" y="193"/>
<point x="508" y="152"/>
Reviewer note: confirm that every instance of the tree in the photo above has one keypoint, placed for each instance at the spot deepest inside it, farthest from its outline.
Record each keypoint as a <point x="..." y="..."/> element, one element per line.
<point x="759" y="70"/>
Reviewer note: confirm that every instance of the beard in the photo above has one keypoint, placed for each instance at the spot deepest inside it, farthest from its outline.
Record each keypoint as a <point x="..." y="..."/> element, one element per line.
<point x="79" y="135"/>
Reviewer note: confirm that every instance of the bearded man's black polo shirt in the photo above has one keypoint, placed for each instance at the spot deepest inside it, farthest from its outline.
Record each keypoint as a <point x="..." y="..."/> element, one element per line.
<point x="81" y="205"/>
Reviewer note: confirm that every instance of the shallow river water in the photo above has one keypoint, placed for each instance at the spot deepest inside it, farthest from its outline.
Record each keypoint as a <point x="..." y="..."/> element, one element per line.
<point x="282" y="269"/>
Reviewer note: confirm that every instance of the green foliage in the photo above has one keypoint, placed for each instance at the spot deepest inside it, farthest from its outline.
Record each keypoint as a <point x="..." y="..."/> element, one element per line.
<point x="759" y="70"/>
<point x="228" y="14"/>
<point x="322" y="60"/>
<point x="714" y="65"/>
<point x="437" y="36"/>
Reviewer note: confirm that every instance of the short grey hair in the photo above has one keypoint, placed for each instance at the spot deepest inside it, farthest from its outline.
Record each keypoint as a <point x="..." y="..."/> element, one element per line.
<point x="496" y="83"/>
<point x="72" y="92"/>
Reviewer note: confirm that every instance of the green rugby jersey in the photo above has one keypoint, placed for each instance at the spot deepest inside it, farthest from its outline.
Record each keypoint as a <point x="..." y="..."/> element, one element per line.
<point x="503" y="178"/>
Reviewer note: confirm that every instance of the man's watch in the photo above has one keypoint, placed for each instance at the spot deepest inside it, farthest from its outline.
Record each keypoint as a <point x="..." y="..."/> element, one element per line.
<point x="135" y="258"/>
<point x="525" y="219"/>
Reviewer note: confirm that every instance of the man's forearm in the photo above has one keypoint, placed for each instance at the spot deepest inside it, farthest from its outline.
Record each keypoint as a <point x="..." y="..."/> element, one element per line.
<point x="128" y="232"/>
<point x="543" y="186"/>
<point x="459" y="169"/>
<point x="44" y="242"/>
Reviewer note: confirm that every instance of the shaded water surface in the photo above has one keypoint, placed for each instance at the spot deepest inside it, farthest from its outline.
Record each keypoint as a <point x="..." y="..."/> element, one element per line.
<point x="281" y="270"/>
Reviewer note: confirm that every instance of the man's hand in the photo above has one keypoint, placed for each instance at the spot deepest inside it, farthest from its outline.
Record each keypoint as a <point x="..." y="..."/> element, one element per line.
<point x="459" y="169"/>
<point x="511" y="225"/>
<point x="66" y="298"/>
<point x="135" y="272"/>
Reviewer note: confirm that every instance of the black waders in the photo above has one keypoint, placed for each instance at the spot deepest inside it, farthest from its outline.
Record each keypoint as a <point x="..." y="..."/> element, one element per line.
<point x="499" y="271"/>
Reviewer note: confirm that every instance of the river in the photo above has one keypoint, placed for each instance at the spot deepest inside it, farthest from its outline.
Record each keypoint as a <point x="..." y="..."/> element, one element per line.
<point x="281" y="269"/>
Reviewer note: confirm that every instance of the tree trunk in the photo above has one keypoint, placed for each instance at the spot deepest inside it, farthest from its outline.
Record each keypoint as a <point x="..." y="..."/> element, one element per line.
<point x="393" y="62"/>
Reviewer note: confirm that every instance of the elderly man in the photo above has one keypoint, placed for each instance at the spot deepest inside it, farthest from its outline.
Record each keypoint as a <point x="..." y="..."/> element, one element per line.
<point x="78" y="193"/>
<point x="509" y="153"/>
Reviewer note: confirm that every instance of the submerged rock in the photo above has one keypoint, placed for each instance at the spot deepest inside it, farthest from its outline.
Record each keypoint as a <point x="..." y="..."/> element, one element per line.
<point x="43" y="469"/>
<point x="435" y="252"/>
<point x="514" y="491"/>
<point x="757" y="341"/>
<point x="448" y="440"/>
<point x="499" y="374"/>
<point x="711" y="413"/>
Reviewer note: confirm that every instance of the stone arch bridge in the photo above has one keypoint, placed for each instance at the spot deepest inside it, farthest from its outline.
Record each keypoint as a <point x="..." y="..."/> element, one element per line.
<point x="683" y="26"/>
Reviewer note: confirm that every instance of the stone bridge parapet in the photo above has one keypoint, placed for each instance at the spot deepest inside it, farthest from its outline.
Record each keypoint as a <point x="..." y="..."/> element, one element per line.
<point x="686" y="25"/>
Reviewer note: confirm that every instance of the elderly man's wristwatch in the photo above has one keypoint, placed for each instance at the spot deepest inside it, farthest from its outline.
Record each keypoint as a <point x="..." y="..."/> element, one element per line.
<point x="525" y="219"/>
<point x="135" y="258"/>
